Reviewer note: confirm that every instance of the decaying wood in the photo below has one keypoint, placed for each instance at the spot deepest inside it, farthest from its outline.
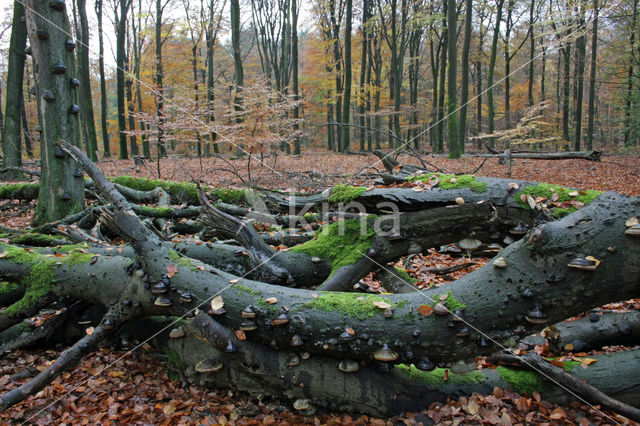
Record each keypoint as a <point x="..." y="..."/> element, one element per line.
<point x="290" y="322"/>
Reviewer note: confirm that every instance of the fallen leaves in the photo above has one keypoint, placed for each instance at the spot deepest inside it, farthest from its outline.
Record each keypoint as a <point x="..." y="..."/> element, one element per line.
<point x="172" y="270"/>
<point x="425" y="310"/>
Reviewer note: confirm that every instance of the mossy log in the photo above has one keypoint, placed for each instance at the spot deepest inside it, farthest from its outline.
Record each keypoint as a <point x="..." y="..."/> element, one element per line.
<point x="497" y="303"/>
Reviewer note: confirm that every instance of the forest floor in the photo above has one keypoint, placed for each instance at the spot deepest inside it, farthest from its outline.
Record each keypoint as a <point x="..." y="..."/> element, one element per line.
<point x="135" y="386"/>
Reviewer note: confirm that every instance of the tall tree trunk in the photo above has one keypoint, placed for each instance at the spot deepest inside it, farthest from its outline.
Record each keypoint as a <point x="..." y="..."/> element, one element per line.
<point x="592" y="76"/>
<point x="104" y="113"/>
<point x="581" y="46"/>
<point x="492" y="65"/>
<point x="162" y="151"/>
<point x="532" y="52"/>
<point x="61" y="187"/>
<point x="346" y="109"/>
<point x="11" y="140"/>
<point x="237" y="66"/>
<point x="25" y="131"/>
<point x="507" y="66"/>
<point x="632" y="41"/>
<point x="337" y="59"/>
<point x="86" y="100"/>
<point x="128" y="86"/>
<point x="377" y="57"/>
<point x="452" y="104"/>
<point x="363" y="74"/>
<point x="294" y="70"/>
<point x="441" y="90"/>
<point x="121" y="32"/>
<point x="543" y="73"/>
<point x="566" y="92"/>
<point x="210" y="38"/>
<point x="464" y="95"/>
<point x="136" y="25"/>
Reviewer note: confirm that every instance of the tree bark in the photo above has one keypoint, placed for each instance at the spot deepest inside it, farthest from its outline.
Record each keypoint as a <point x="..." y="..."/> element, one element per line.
<point x="121" y="32"/>
<point x="11" y="140"/>
<point x="86" y="100"/>
<point x="592" y="76"/>
<point x="104" y="113"/>
<point x="464" y="94"/>
<point x="492" y="65"/>
<point x="63" y="192"/>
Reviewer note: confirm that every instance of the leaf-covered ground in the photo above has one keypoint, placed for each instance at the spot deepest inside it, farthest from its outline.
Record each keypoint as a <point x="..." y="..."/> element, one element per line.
<point x="136" y="388"/>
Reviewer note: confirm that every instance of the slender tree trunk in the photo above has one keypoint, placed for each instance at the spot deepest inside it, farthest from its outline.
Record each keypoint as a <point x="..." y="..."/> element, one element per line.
<point x="464" y="95"/>
<point x="330" y="133"/>
<point x="160" y="144"/>
<point x="61" y="188"/>
<point x="121" y="30"/>
<point x="104" y="113"/>
<point x="507" y="66"/>
<point x="294" y="69"/>
<point x="532" y="52"/>
<point x="237" y="66"/>
<point x="363" y="74"/>
<point x="592" y="76"/>
<point x="11" y="140"/>
<point x="452" y="104"/>
<point x="566" y="93"/>
<point x="377" y="52"/>
<point x="543" y="92"/>
<point x="346" y="110"/>
<point x="133" y="139"/>
<point x="137" y="54"/>
<point x="335" y="25"/>
<point x="211" y="42"/>
<point x="492" y="66"/>
<point x="25" y="131"/>
<point x="632" y="41"/>
<point x="86" y="100"/>
<point x="579" y="68"/>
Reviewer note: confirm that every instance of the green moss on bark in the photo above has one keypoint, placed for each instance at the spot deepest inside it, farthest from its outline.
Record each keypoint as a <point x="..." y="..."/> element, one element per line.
<point x="345" y="193"/>
<point x="436" y="377"/>
<point x="451" y="302"/>
<point x="521" y="380"/>
<point x="546" y="190"/>
<point x="180" y="190"/>
<point x="404" y="275"/>
<point x="38" y="281"/>
<point x="8" y="287"/>
<point x="21" y="191"/>
<point x="174" y="358"/>
<point x="38" y="240"/>
<point x="341" y="243"/>
<point x="451" y="181"/>
<point x="355" y="305"/>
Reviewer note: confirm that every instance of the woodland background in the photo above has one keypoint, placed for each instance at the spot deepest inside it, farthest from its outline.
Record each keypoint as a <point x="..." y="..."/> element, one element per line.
<point x="352" y="76"/>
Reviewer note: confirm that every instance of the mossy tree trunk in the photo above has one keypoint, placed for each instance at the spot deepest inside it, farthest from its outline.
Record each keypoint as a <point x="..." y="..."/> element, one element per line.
<point x="62" y="188"/>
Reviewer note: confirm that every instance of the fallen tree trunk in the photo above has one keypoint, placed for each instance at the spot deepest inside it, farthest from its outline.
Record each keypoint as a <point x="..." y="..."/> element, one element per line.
<point x="496" y="305"/>
<point x="532" y="155"/>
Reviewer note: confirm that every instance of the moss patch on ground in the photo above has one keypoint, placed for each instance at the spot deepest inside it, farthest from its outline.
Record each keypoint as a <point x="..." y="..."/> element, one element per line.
<point x="355" y="305"/>
<point x="451" y="181"/>
<point x="345" y="193"/>
<point x="521" y="380"/>
<point x="436" y="377"/>
<point x="546" y="190"/>
<point x="341" y="243"/>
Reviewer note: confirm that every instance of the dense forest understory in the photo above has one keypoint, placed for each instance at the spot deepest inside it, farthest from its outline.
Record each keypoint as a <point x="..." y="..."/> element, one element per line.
<point x="265" y="323"/>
